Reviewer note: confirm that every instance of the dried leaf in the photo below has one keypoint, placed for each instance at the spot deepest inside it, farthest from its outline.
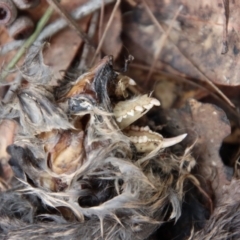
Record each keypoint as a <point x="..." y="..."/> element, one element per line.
<point x="208" y="126"/>
<point x="195" y="42"/>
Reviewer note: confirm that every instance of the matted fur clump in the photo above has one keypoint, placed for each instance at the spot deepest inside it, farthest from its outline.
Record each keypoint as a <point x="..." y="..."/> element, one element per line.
<point x="83" y="170"/>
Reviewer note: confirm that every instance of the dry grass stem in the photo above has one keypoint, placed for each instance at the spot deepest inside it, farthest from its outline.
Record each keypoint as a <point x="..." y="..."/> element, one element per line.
<point x="162" y="40"/>
<point x="57" y="6"/>
<point x="105" y="30"/>
<point x="205" y="78"/>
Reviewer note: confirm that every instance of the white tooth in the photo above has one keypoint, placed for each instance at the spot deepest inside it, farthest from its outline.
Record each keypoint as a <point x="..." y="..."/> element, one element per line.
<point x="119" y="119"/>
<point x="145" y="138"/>
<point x="148" y="106"/>
<point x="131" y="138"/>
<point x="167" y="142"/>
<point x="125" y="116"/>
<point x="146" y="128"/>
<point x="140" y="140"/>
<point x="133" y="127"/>
<point x="131" y="113"/>
<point x="136" y="128"/>
<point x="155" y="102"/>
<point x="139" y="108"/>
<point x="135" y="139"/>
<point x="131" y="82"/>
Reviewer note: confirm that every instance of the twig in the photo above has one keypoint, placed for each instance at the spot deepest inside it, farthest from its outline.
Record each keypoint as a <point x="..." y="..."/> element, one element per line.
<point x="101" y="21"/>
<point x="205" y="78"/>
<point x="106" y="29"/>
<point x="58" y="7"/>
<point x="225" y="26"/>
<point x="132" y="3"/>
<point x="56" y="26"/>
<point x="153" y="18"/>
<point x="91" y="31"/>
<point x="184" y="79"/>
<point x="163" y="39"/>
<point x="42" y="22"/>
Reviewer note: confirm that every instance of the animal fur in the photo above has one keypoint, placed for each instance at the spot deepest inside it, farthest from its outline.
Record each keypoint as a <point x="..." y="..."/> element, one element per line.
<point x="111" y="191"/>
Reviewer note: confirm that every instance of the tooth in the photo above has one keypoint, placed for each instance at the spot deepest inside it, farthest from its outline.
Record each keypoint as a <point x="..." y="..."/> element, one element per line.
<point x="155" y="102"/>
<point x="146" y="128"/>
<point x="119" y="119"/>
<point x="140" y="140"/>
<point x="135" y="139"/>
<point x="143" y="129"/>
<point x="167" y="142"/>
<point x="131" y="113"/>
<point x="148" y="106"/>
<point x="139" y="108"/>
<point x="131" y="82"/>
<point x="125" y="116"/>
<point x="144" y="138"/>
<point x="135" y="128"/>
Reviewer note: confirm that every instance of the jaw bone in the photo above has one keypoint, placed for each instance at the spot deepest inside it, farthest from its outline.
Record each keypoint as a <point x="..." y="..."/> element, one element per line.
<point x="146" y="140"/>
<point x="123" y="84"/>
<point x="128" y="111"/>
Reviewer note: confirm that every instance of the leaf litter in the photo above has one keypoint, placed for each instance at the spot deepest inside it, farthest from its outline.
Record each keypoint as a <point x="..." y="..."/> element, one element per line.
<point x="99" y="147"/>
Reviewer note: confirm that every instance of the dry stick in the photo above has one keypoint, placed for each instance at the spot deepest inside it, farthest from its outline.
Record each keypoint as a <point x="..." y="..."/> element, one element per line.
<point x="105" y="31"/>
<point x="91" y="31"/>
<point x="200" y="21"/>
<point x="101" y="21"/>
<point x="163" y="40"/>
<point x="206" y="79"/>
<point x="225" y="26"/>
<point x="58" y="7"/>
<point x="28" y="43"/>
<point x="184" y="79"/>
<point x="53" y="28"/>
<point x="58" y="25"/>
<point x="132" y="3"/>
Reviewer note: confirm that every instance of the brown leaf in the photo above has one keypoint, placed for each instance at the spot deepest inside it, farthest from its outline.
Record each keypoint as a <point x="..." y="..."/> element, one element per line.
<point x="62" y="50"/>
<point x="195" y="42"/>
<point x="63" y="46"/>
<point x="209" y="125"/>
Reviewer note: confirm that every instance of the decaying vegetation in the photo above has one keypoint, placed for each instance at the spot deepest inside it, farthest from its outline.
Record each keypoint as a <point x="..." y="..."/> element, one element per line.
<point x="128" y="141"/>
